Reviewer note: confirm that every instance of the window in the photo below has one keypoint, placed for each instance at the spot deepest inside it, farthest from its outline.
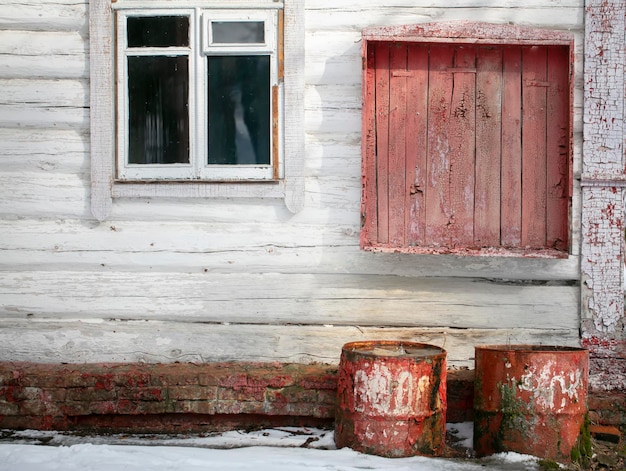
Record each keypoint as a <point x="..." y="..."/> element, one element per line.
<point x="196" y="100"/>
<point x="198" y="104"/>
<point x="467" y="142"/>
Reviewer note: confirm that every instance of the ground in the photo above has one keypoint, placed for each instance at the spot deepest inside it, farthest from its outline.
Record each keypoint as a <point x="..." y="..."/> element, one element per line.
<point x="286" y="448"/>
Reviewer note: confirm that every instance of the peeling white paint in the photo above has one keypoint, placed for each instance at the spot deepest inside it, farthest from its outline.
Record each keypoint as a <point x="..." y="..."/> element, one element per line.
<point x="381" y="391"/>
<point x="541" y="382"/>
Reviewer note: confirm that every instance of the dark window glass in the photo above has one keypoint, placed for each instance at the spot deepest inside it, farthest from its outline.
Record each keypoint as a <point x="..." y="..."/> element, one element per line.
<point x="238" y="32"/>
<point x="158" y="119"/>
<point x="157" y="31"/>
<point x="239" y="110"/>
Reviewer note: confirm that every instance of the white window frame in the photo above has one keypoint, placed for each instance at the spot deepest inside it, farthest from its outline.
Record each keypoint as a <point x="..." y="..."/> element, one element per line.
<point x="268" y="17"/>
<point x="286" y="183"/>
<point x="135" y="172"/>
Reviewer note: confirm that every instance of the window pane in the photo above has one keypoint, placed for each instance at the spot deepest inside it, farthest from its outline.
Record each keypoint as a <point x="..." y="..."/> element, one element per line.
<point x="239" y="110"/>
<point x="158" y="119"/>
<point x="157" y="31"/>
<point x="238" y="32"/>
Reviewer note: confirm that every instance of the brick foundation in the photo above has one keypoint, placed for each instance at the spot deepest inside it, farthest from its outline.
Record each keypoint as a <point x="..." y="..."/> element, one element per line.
<point x="200" y="397"/>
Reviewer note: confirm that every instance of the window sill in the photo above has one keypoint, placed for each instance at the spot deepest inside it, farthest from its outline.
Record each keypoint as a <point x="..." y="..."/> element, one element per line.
<point x="243" y="189"/>
<point x="477" y="252"/>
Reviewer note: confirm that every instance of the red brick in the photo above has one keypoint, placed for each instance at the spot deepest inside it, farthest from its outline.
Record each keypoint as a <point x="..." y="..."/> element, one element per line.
<point x="132" y="379"/>
<point x="606" y="433"/>
<point x="72" y="408"/>
<point x="320" y="381"/>
<point x="8" y="408"/>
<point x="10" y="393"/>
<point x="192" y="407"/>
<point x="196" y="393"/>
<point x="37" y="407"/>
<point x="103" y="407"/>
<point x="234" y="380"/>
<point x="292" y="395"/>
<point x="327" y="397"/>
<point x="239" y="407"/>
<point x="176" y="379"/>
<point x="241" y="394"/>
<point x="141" y="393"/>
<point x="90" y="394"/>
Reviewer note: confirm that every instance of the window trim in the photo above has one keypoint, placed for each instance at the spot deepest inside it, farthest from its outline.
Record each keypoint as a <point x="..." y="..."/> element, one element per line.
<point x="197" y="53"/>
<point x="104" y="188"/>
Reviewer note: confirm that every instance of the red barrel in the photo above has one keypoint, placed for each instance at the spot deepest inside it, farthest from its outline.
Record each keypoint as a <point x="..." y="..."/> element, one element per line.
<point x="529" y="399"/>
<point x="391" y="398"/>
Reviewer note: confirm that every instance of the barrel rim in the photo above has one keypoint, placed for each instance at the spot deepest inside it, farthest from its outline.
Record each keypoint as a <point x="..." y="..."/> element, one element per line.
<point x="528" y="348"/>
<point x="357" y="347"/>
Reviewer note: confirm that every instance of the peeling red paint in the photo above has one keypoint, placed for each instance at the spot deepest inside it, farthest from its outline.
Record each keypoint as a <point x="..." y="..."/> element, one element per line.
<point x="391" y="398"/>
<point x="529" y="399"/>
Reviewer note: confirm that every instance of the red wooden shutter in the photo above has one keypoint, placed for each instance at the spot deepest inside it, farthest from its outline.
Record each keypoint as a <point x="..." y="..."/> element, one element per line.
<point x="466" y="148"/>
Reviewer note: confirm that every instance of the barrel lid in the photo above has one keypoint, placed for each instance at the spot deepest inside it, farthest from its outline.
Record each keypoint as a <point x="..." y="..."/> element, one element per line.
<point x="389" y="348"/>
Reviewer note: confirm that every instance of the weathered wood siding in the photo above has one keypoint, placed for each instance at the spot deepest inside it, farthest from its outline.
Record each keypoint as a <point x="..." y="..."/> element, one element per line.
<point x="220" y="279"/>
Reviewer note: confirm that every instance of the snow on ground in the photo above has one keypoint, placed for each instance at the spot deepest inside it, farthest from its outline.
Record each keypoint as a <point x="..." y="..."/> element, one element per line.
<point x="284" y="449"/>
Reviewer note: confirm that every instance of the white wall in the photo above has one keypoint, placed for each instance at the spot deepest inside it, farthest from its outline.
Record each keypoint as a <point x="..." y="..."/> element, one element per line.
<point x="211" y="279"/>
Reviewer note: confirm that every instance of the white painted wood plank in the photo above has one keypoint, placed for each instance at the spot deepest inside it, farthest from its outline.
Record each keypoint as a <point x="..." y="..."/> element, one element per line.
<point x="272" y="298"/>
<point x="24" y="142"/>
<point x="299" y="247"/>
<point x="355" y="4"/>
<point x="335" y="154"/>
<point x="35" y="195"/>
<point x="43" y="15"/>
<point x="56" y="151"/>
<point x="38" y="43"/>
<point x="333" y="97"/>
<point x="343" y="18"/>
<point x="21" y="52"/>
<point x="77" y="342"/>
<point x="162" y="236"/>
<point x="51" y="93"/>
<point x="334" y="57"/>
<point x="273" y="259"/>
<point x="58" y="66"/>
<point x="333" y="194"/>
<point x="363" y="312"/>
<point x="33" y="116"/>
<point x="333" y="120"/>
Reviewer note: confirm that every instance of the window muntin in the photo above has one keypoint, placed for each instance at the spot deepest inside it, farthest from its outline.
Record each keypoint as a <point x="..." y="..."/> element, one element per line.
<point x="191" y="107"/>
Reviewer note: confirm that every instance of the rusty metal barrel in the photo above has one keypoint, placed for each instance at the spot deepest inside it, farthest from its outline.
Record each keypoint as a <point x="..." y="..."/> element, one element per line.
<point x="391" y="398"/>
<point x="529" y="399"/>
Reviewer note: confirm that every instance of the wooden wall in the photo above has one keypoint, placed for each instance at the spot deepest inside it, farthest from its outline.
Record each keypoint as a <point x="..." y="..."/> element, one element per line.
<point x="226" y="279"/>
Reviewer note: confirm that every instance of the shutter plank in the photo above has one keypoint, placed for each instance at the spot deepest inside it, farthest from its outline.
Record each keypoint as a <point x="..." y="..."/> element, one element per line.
<point x="397" y="126"/>
<point x="416" y="142"/>
<point x="558" y="148"/>
<point x="534" y="148"/>
<point x="511" y="231"/>
<point x="488" y="147"/>
<point x="462" y="141"/>
<point x="382" y="140"/>
<point x="438" y="207"/>
<point x="369" y="212"/>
